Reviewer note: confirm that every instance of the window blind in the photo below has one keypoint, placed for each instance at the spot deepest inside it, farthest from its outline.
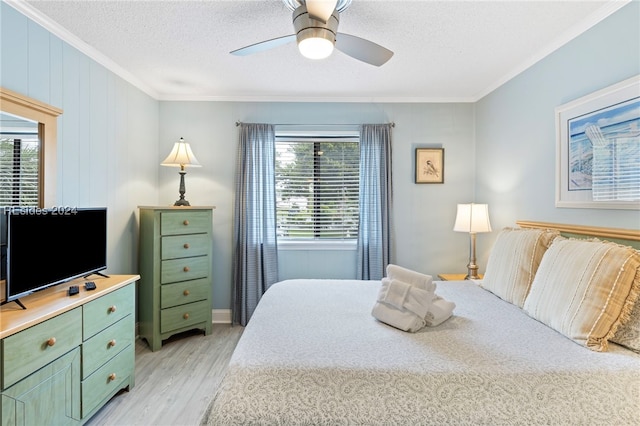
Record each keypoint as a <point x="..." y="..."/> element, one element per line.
<point x="19" y="169"/>
<point x="317" y="186"/>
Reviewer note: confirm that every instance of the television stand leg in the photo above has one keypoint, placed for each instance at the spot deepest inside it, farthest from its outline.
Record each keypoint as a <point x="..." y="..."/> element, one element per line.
<point x="96" y="273"/>
<point x="17" y="301"/>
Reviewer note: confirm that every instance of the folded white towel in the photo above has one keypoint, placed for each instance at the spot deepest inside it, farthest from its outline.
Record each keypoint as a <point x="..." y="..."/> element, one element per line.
<point x="410" y="277"/>
<point x="393" y="292"/>
<point x="404" y="297"/>
<point x="401" y="305"/>
<point x="403" y="320"/>
<point x="439" y="311"/>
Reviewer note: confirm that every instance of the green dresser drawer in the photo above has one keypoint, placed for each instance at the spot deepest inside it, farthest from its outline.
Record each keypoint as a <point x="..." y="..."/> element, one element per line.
<point x="106" y="344"/>
<point x="185" y="222"/>
<point x="187" y="245"/>
<point x="107" y="379"/>
<point x="184" y="292"/>
<point x="106" y="310"/>
<point x="33" y="348"/>
<point x="189" y="268"/>
<point x="184" y="316"/>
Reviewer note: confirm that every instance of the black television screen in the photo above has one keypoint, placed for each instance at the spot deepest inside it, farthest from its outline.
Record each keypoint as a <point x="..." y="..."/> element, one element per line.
<point x="45" y="247"/>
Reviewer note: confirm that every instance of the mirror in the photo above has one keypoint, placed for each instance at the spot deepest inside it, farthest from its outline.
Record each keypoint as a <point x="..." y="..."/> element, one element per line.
<point x="29" y="127"/>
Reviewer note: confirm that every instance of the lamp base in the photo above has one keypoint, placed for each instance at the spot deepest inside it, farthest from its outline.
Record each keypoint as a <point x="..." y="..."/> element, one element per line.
<point x="181" y="201"/>
<point x="472" y="272"/>
<point x="472" y="268"/>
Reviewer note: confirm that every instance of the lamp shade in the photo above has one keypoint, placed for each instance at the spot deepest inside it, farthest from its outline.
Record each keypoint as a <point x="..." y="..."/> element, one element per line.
<point x="472" y="218"/>
<point x="181" y="156"/>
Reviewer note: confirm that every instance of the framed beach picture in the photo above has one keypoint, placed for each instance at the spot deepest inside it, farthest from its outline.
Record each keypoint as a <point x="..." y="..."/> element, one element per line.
<point x="429" y="165"/>
<point x="598" y="149"/>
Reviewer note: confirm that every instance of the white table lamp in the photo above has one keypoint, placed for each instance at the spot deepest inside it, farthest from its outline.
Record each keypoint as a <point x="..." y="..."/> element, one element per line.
<point x="472" y="218"/>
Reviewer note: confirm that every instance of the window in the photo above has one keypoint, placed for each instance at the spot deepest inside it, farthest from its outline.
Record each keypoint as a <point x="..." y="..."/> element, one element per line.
<point x="19" y="162"/>
<point x="317" y="185"/>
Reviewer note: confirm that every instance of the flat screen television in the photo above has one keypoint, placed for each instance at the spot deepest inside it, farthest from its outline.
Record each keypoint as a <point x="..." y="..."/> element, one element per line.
<point x="46" y="247"/>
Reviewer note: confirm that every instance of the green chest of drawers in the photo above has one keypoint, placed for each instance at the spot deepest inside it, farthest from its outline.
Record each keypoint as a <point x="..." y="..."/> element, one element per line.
<point x="64" y="357"/>
<point x="175" y="268"/>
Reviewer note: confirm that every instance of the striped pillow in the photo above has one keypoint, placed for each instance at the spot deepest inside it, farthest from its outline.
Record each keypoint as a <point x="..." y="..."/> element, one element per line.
<point x="514" y="260"/>
<point x="585" y="289"/>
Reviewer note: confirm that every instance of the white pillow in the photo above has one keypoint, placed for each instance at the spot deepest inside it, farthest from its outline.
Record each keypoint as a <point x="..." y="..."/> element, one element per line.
<point x="514" y="260"/>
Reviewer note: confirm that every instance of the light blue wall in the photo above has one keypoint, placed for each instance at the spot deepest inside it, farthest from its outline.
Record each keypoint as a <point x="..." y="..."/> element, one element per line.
<point x="423" y="214"/>
<point x="107" y="133"/>
<point x="515" y="125"/>
<point x="500" y="150"/>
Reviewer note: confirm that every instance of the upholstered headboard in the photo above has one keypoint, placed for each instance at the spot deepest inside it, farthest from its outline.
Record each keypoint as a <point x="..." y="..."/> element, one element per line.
<point x="628" y="237"/>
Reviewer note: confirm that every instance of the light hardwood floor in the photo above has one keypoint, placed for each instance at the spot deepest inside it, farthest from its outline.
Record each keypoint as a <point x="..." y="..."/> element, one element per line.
<point x="174" y="385"/>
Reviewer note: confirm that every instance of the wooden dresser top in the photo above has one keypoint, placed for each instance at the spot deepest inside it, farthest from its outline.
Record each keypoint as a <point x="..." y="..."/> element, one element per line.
<point x="55" y="300"/>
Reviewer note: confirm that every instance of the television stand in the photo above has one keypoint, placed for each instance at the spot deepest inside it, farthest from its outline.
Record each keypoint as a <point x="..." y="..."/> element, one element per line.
<point x="64" y="358"/>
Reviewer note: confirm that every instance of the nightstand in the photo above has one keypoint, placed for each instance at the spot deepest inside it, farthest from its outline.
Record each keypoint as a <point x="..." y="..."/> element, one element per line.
<point x="454" y="277"/>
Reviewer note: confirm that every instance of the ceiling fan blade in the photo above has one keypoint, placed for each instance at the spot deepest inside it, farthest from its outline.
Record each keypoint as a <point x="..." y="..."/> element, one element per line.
<point x="321" y="10"/>
<point x="264" y="45"/>
<point x="363" y="50"/>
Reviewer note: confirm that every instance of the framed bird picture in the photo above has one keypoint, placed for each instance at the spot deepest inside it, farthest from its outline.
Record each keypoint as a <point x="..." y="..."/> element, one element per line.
<point x="429" y="165"/>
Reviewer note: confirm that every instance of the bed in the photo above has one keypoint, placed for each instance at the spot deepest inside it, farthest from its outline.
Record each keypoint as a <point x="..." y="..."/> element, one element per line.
<point x="313" y="354"/>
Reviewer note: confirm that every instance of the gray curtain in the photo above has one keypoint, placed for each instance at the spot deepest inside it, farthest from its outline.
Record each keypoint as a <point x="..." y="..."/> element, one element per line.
<point x="255" y="255"/>
<point x="374" y="234"/>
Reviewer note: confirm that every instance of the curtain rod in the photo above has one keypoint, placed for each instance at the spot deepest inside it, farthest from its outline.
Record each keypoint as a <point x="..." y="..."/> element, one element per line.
<point x="393" y="124"/>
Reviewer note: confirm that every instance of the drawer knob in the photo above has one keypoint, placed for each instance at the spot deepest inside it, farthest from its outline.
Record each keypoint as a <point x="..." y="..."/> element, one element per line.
<point x="112" y="342"/>
<point x="186" y="245"/>
<point x="185" y="222"/>
<point x="186" y="292"/>
<point x="51" y="341"/>
<point x="185" y="269"/>
<point x="112" y="377"/>
<point x="186" y="316"/>
<point x="112" y="308"/>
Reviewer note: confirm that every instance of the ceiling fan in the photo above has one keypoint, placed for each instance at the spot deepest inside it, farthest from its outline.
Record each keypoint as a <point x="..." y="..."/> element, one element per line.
<point x="316" y="31"/>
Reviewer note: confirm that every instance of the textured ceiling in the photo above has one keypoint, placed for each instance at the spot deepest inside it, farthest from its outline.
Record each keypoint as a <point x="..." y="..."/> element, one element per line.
<point x="444" y="50"/>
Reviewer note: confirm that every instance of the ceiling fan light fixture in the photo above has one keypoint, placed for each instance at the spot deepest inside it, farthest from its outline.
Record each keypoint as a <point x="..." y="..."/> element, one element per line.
<point x="317" y="34"/>
<point x="315" y="39"/>
<point x="315" y="47"/>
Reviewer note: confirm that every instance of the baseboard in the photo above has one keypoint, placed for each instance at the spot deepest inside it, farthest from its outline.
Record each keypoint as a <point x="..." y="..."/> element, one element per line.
<point x="221" y="316"/>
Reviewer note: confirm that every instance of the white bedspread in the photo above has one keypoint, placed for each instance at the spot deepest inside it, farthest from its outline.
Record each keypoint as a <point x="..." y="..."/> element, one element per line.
<point x="312" y="354"/>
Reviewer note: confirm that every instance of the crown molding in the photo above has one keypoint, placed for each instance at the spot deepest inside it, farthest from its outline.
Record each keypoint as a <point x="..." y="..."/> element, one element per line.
<point x="71" y="39"/>
<point x="573" y="32"/>
<point x="307" y="99"/>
